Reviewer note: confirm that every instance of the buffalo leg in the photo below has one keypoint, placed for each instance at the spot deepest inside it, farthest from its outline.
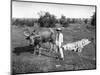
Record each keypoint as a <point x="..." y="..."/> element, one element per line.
<point x="51" y="46"/>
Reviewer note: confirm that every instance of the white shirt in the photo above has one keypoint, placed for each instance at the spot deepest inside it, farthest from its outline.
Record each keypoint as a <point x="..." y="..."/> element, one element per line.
<point x="59" y="39"/>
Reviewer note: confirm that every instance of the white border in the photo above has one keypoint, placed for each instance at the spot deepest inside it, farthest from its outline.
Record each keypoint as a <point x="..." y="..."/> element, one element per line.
<point x="5" y="36"/>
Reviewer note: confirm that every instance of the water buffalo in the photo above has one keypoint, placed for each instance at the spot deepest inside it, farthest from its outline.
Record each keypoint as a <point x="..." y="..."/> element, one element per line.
<point x="47" y="36"/>
<point x="40" y="37"/>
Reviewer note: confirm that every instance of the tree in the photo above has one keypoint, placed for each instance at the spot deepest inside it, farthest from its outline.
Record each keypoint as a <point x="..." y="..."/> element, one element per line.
<point x="47" y="20"/>
<point x="63" y="21"/>
<point x="86" y="21"/>
<point x="93" y="20"/>
<point x="73" y="20"/>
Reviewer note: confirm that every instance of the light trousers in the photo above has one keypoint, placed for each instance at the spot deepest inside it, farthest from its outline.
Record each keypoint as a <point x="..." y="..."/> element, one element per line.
<point x="60" y="50"/>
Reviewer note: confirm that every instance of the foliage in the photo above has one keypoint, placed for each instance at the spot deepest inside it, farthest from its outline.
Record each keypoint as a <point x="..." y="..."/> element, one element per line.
<point x="93" y="21"/>
<point x="47" y="20"/>
<point x="86" y="21"/>
<point x="23" y="22"/>
<point x="63" y="21"/>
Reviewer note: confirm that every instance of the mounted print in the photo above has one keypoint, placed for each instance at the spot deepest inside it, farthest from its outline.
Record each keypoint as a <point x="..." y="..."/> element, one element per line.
<point x="52" y="37"/>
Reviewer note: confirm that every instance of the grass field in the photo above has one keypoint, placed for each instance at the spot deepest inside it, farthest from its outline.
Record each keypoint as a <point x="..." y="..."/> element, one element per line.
<point x="27" y="62"/>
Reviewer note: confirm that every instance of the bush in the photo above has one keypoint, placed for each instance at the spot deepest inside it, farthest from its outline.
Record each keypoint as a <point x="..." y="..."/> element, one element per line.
<point x="23" y="22"/>
<point x="93" y="21"/>
<point x="64" y="22"/>
<point x="47" y="20"/>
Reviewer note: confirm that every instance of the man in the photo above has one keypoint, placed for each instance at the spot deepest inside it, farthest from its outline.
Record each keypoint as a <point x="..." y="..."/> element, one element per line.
<point x="59" y="42"/>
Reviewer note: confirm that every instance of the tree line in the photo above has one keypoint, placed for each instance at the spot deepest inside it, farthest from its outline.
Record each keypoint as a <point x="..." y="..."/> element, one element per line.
<point x="49" y="20"/>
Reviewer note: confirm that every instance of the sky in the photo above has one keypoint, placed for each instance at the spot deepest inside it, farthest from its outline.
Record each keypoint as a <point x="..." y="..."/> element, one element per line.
<point x="31" y="10"/>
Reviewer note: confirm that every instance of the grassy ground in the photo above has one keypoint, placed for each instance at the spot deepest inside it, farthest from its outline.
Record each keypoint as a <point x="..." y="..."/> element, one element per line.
<point x="27" y="62"/>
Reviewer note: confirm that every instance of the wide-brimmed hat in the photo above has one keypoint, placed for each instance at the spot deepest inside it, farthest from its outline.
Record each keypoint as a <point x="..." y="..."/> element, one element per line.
<point x="58" y="29"/>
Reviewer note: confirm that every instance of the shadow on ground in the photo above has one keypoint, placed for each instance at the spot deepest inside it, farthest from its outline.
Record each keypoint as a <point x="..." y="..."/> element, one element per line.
<point x="18" y="50"/>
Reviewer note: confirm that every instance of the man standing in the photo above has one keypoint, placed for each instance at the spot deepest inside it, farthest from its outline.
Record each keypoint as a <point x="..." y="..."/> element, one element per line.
<point x="59" y="42"/>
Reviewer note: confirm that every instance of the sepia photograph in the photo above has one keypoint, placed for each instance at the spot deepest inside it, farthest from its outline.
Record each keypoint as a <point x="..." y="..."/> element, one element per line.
<point x="52" y="37"/>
